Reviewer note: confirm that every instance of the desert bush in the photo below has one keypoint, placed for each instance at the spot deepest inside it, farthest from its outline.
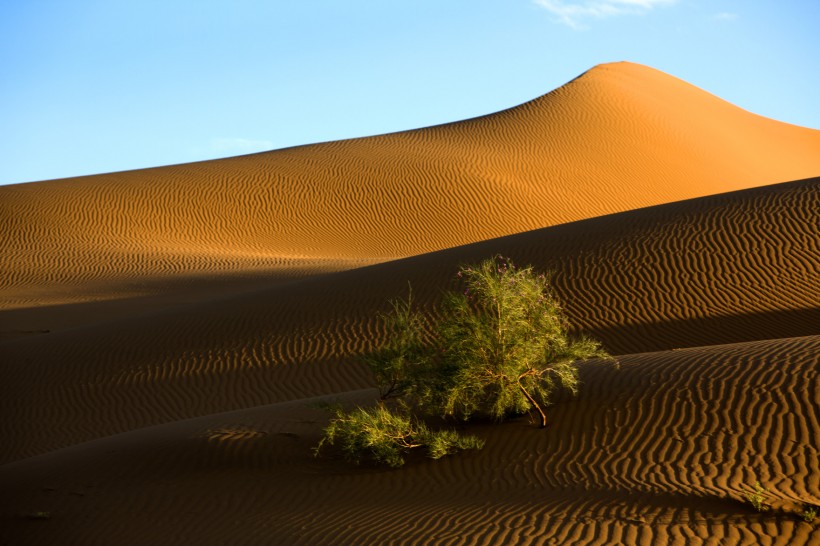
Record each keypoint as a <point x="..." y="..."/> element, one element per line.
<point x="384" y="436"/>
<point x="503" y="345"/>
<point x="809" y="513"/>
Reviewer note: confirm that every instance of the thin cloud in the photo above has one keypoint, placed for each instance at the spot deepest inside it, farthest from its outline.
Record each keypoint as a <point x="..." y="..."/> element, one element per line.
<point x="725" y="16"/>
<point x="239" y="145"/>
<point x="572" y="13"/>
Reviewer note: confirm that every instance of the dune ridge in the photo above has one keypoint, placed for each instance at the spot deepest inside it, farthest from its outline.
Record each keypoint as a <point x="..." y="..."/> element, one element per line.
<point x="619" y="137"/>
<point x="733" y="267"/>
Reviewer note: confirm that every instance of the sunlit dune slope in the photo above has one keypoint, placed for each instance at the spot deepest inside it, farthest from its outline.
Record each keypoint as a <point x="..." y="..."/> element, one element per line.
<point x="620" y="137"/>
<point x="735" y="267"/>
<point x="655" y="451"/>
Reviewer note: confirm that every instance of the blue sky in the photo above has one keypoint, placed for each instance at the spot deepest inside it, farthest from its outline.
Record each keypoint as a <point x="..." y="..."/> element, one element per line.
<point x="107" y="85"/>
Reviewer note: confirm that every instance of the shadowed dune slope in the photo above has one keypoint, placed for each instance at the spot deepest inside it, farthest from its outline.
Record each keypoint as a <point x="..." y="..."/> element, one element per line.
<point x="620" y="137"/>
<point x="655" y="451"/>
<point x="734" y="267"/>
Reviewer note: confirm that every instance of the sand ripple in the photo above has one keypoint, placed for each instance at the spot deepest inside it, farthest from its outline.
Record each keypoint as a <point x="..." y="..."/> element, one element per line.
<point x="620" y="137"/>
<point x="654" y="451"/>
<point x="728" y="268"/>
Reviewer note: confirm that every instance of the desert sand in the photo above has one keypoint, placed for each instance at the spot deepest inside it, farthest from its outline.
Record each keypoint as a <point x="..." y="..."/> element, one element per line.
<point x="165" y="334"/>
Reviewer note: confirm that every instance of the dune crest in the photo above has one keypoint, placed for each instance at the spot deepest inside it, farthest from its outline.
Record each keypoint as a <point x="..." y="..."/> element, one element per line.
<point x="619" y="137"/>
<point x="727" y="268"/>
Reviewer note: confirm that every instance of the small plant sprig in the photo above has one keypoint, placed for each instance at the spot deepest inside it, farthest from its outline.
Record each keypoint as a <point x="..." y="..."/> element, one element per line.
<point x="758" y="497"/>
<point x="385" y="437"/>
<point x="809" y="513"/>
<point x="38" y="515"/>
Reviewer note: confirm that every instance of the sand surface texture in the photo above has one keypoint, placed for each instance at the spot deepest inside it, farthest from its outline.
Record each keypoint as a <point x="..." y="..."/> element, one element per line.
<point x="164" y="332"/>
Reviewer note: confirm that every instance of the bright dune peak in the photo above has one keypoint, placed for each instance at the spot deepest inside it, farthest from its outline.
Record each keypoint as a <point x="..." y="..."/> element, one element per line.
<point x="619" y="137"/>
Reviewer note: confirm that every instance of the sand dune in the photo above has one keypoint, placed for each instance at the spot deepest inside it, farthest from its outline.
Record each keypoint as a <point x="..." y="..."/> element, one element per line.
<point x="656" y="451"/>
<point x="620" y="137"/>
<point x="734" y="267"/>
<point x="164" y="331"/>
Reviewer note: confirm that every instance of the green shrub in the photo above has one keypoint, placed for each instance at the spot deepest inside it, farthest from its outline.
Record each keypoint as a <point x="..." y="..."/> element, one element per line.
<point x="500" y="347"/>
<point x="385" y="437"/>
<point x="503" y="345"/>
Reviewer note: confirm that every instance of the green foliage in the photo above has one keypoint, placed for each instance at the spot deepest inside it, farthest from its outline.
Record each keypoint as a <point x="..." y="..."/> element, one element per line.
<point x="446" y="442"/>
<point x="501" y="347"/>
<point x="504" y="345"/>
<point x="39" y="515"/>
<point x="404" y="351"/>
<point x="758" y="497"/>
<point x="384" y="437"/>
<point x="809" y="513"/>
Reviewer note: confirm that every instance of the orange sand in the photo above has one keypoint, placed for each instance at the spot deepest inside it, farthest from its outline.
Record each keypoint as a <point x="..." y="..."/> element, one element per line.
<point x="209" y="302"/>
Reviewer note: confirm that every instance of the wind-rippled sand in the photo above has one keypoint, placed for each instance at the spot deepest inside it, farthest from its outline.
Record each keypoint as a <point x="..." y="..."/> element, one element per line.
<point x="163" y="332"/>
